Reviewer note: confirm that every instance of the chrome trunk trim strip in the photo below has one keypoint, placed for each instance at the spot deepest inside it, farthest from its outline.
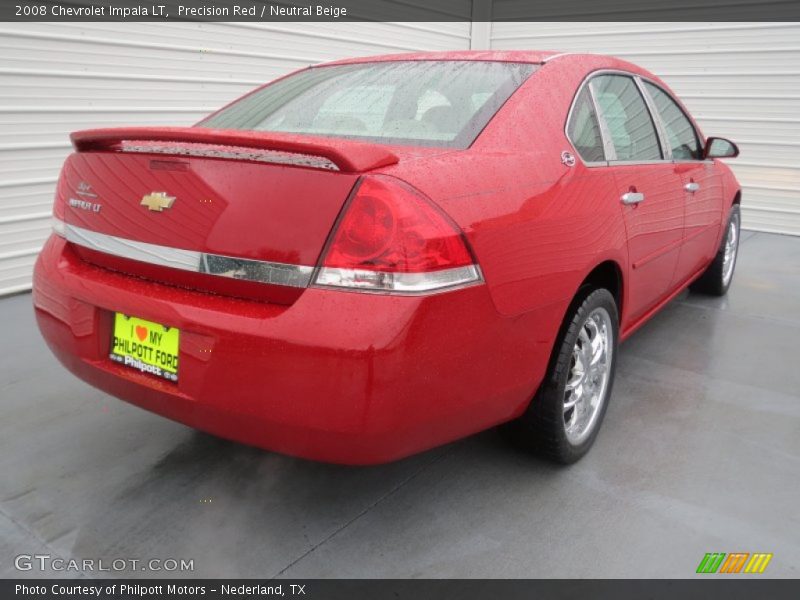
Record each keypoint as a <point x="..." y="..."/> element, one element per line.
<point x="189" y="260"/>
<point x="274" y="273"/>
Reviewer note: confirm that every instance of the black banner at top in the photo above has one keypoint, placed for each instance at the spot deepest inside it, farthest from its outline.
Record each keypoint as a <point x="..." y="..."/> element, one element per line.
<point x="399" y="10"/>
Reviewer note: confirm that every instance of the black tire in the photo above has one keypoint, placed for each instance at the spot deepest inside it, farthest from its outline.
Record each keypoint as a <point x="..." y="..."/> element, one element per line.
<point x="713" y="281"/>
<point x="542" y="428"/>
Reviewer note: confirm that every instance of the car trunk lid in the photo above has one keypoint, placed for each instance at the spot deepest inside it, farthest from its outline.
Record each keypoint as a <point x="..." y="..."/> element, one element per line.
<point x="233" y="212"/>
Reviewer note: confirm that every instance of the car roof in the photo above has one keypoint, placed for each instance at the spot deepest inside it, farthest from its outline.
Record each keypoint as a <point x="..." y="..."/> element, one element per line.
<point x="539" y="57"/>
<point x="523" y="56"/>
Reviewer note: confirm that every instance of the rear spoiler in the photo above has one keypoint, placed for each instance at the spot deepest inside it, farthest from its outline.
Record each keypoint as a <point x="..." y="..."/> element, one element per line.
<point x="348" y="156"/>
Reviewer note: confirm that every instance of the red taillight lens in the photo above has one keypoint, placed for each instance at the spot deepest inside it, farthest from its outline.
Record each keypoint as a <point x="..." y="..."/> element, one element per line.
<point x="393" y="238"/>
<point x="389" y="226"/>
<point x="365" y="235"/>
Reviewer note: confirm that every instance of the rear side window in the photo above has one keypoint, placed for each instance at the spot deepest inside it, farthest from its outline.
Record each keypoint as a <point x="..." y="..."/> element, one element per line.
<point x="583" y="129"/>
<point x="681" y="134"/>
<point x="431" y="103"/>
<point x="629" y="123"/>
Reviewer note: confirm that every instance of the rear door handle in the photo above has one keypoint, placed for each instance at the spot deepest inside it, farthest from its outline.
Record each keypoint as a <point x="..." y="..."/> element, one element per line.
<point x="632" y="197"/>
<point x="692" y="187"/>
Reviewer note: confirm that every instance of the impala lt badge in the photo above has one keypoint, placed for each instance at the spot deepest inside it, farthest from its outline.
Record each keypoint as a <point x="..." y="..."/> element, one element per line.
<point x="84" y="205"/>
<point x="157" y="201"/>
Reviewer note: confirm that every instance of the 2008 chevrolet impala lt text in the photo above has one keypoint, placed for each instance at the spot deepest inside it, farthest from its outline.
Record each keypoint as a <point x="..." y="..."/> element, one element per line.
<point x="376" y="256"/>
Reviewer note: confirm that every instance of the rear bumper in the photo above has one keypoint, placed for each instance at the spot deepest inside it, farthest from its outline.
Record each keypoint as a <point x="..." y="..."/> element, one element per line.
<point x="337" y="376"/>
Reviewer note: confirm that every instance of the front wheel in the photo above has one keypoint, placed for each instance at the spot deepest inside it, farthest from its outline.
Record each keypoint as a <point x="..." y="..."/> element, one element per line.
<point x="564" y="416"/>
<point x="718" y="276"/>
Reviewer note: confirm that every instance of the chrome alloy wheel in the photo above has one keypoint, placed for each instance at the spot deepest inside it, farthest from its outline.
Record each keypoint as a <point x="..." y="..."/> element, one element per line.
<point x="589" y="375"/>
<point x="731" y="247"/>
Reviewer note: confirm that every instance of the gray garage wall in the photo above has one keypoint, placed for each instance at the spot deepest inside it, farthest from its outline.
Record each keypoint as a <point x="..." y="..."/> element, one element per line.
<point x="56" y="78"/>
<point x="741" y="80"/>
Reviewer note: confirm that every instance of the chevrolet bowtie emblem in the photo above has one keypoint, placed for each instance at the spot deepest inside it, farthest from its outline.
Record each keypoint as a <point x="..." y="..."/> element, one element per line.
<point x="157" y="201"/>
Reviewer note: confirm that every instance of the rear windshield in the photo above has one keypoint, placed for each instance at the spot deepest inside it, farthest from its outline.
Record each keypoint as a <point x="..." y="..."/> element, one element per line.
<point x="428" y="103"/>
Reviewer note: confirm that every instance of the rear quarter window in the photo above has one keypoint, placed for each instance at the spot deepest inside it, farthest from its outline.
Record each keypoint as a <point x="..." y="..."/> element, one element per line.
<point x="583" y="129"/>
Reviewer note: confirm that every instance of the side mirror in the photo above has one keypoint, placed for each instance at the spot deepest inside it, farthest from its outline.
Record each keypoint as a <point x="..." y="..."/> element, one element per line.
<point x="717" y="147"/>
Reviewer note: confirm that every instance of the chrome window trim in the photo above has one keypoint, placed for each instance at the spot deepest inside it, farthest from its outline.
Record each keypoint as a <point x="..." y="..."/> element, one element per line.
<point x="699" y="138"/>
<point x="586" y="81"/>
<point x="605" y="133"/>
<point x="601" y="117"/>
<point x="639" y="162"/>
<point x="247" y="269"/>
<point x="655" y="116"/>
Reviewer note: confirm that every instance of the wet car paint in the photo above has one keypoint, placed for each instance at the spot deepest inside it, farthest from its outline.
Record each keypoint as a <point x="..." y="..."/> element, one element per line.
<point x="362" y="378"/>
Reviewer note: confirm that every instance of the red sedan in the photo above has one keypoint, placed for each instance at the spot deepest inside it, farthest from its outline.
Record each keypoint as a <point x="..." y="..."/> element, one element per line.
<point x="372" y="257"/>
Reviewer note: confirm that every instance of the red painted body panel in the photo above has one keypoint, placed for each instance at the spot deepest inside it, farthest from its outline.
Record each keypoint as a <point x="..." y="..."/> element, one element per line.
<point x="337" y="376"/>
<point x="361" y="378"/>
<point x="704" y="211"/>
<point x="654" y="230"/>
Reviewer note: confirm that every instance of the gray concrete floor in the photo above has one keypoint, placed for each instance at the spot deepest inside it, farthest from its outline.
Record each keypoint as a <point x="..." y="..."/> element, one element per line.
<point x="699" y="452"/>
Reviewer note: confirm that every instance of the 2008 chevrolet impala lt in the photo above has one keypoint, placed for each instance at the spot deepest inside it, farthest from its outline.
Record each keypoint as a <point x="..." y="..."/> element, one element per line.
<point x="372" y="257"/>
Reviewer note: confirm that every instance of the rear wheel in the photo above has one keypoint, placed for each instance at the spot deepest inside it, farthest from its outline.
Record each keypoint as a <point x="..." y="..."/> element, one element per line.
<point x="718" y="276"/>
<point x="564" y="416"/>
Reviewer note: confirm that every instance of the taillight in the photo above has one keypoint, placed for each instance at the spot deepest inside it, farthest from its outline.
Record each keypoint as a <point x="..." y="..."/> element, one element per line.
<point x="391" y="238"/>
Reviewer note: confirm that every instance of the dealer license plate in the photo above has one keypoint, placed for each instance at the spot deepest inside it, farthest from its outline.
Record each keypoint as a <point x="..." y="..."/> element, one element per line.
<point x="145" y="346"/>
